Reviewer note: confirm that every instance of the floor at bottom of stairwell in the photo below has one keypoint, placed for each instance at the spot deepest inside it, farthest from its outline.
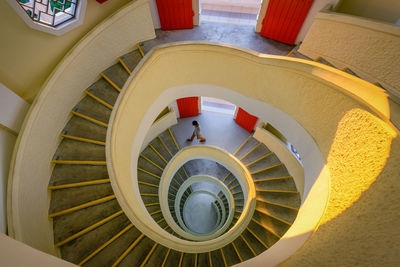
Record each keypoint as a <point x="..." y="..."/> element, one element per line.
<point x="238" y="35"/>
<point x="219" y="129"/>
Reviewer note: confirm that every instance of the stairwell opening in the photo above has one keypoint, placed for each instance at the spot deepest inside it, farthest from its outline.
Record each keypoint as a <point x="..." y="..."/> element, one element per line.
<point x="239" y="12"/>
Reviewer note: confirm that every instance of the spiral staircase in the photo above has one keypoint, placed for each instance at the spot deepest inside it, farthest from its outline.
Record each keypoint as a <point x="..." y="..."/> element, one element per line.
<point x="90" y="227"/>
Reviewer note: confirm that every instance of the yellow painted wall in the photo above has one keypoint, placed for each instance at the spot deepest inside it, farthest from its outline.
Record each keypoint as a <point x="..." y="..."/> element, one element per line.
<point x="28" y="56"/>
<point x="386" y="10"/>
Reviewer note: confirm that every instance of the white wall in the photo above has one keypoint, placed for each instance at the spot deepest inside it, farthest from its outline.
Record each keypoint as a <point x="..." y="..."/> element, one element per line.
<point x="17" y="254"/>
<point x="12" y="112"/>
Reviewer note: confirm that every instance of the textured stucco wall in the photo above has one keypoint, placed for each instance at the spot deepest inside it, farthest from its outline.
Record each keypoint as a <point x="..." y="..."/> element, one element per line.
<point x="361" y="224"/>
<point x="369" y="48"/>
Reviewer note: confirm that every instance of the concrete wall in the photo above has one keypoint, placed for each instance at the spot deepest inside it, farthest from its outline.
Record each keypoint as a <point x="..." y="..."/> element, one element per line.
<point x="12" y="112"/>
<point x="384" y="10"/>
<point x="367" y="47"/>
<point x="29" y="56"/>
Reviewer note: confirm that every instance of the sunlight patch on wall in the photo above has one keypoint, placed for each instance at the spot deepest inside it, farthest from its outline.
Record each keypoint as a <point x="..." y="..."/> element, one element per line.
<point x="358" y="154"/>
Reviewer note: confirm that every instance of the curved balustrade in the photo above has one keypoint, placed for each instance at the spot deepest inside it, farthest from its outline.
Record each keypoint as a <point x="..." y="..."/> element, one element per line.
<point x="219" y="230"/>
<point x="235" y="167"/>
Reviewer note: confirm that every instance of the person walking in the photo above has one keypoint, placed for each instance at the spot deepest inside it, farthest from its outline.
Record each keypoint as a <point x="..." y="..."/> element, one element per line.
<point x="196" y="132"/>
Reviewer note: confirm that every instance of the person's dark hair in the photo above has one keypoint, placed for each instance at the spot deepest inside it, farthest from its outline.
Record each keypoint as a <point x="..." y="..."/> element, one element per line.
<point x="195" y="123"/>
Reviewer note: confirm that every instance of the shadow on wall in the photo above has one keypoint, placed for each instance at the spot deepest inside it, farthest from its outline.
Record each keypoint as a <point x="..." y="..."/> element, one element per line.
<point x="360" y="224"/>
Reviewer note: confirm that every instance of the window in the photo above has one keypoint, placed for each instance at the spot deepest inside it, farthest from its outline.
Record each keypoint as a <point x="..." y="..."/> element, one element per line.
<point x="52" y="16"/>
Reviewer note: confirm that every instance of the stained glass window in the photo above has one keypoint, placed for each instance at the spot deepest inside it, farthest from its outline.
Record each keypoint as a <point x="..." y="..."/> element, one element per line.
<point x="52" y="13"/>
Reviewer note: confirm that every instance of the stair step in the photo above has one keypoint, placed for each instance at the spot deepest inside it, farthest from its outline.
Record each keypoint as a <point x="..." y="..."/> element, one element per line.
<point x="154" y="157"/>
<point x="67" y="174"/>
<point x="169" y="142"/>
<point x="241" y="145"/>
<point x="188" y="259"/>
<point x="131" y="59"/>
<point x="70" y="224"/>
<point x="64" y="199"/>
<point x="244" y="250"/>
<point x="90" y="119"/>
<point x="291" y="200"/>
<point x="89" y="107"/>
<point x="110" y="254"/>
<point x="276" y="184"/>
<point x="81" y="247"/>
<point x="64" y="186"/>
<point x="288" y="215"/>
<point x="137" y="255"/>
<point x="88" y="229"/>
<point x="83" y="128"/>
<point x="116" y="75"/>
<point x="268" y="232"/>
<point x="259" y="151"/>
<point x="349" y="71"/>
<point x="264" y="162"/>
<point x="104" y="90"/>
<point x="98" y="99"/>
<point x="273" y="171"/>
<point x="247" y="147"/>
<point x="324" y="61"/>
<point x="172" y="259"/>
<point x="277" y="204"/>
<point x="70" y="149"/>
<point x="252" y="236"/>
<point x="275" y="225"/>
<point x="105" y="244"/>
<point x="79" y="162"/>
<point x="77" y="138"/>
<point x="160" y="148"/>
<point x="157" y="256"/>
<point x="230" y="255"/>
<point x="266" y="235"/>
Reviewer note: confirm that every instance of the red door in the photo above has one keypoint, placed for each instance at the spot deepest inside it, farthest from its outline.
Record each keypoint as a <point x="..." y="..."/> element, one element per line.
<point x="284" y="18"/>
<point x="246" y="120"/>
<point x="188" y="106"/>
<point x="175" y="14"/>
